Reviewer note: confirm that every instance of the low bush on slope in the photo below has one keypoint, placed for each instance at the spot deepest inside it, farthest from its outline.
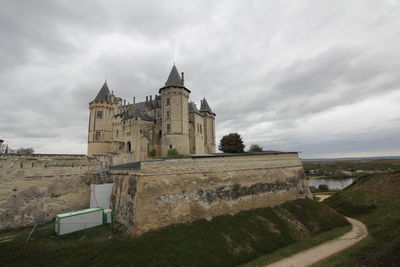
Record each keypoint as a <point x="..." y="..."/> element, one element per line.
<point x="224" y="241"/>
<point x="375" y="200"/>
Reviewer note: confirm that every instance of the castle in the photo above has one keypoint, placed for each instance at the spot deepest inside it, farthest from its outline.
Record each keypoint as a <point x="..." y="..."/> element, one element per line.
<point x="151" y="128"/>
<point x="148" y="194"/>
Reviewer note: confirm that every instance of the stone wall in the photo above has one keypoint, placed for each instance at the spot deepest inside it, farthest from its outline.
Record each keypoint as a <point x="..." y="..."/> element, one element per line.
<point x="152" y="194"/>
<point x="39" y="186"/>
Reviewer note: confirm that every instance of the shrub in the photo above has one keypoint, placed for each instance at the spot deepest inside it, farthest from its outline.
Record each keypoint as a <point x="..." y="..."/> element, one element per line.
<point x="323" y="187"/>
<point x="174" y="154"/>
<point x="255" y="148"/>
<point x="27" y="150"/>
<point x="236" y="187"/>
<point x="152" y="153"/>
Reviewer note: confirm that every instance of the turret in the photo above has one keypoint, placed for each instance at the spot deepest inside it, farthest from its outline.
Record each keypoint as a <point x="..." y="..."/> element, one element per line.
<point x="100" y="122"/>
<point x="175" y="114"/>
<point x="209" y="126"/>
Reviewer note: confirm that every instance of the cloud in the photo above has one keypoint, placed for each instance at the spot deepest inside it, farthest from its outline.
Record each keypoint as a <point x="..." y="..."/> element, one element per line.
<point x="277" y="72"/>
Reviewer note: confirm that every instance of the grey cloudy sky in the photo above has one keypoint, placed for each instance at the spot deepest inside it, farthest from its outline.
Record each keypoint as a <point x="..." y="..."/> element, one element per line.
<point x="321" y="77"/>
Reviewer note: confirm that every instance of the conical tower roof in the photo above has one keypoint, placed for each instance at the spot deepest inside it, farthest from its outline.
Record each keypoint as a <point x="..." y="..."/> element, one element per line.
<point x="193" y="108"/>
<point x="204" y="107"/>
<point x="103" y="94"/>
<point x="174" y="79"/>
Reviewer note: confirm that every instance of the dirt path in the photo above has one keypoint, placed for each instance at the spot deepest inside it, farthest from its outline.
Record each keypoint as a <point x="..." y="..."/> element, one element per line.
<point x="322" y="197"/>
<point x="324" y="250"/>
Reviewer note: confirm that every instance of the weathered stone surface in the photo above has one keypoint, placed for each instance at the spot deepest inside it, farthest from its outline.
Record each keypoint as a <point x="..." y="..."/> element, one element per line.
<point x="123" y="198"/>
<point x="37" y="187"/>
<point x="177" y="191"/>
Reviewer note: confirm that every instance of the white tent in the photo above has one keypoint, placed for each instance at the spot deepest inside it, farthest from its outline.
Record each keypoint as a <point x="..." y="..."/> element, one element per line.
<point x="100" y="195"/>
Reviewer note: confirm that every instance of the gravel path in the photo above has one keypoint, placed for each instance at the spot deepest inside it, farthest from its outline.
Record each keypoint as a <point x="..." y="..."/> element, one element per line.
<point x="327" y="249"/>
<point x="322" y="197"/>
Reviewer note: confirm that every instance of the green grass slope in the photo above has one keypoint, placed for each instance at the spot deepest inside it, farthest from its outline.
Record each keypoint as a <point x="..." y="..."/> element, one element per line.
<point x="375" y="200"/>
<point x="224" y="241"/>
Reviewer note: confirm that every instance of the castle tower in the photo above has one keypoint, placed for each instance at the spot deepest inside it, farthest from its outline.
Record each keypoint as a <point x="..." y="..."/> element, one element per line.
<point x="209" y="126"/>
<point x="175" y="114"/>
<point x="100" y="123"/>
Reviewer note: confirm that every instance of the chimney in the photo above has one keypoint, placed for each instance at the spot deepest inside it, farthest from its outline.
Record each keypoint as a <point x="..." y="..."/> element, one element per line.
<point x="124" y="102"/>
<point x="183" y="78"/>
<point x="134" y="100"/>
<point x="151" y="98"/>
<point x="147" y="99"/>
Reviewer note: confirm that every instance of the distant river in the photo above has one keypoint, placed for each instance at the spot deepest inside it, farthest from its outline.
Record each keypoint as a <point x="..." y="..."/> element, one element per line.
<point x="331" y="183"/>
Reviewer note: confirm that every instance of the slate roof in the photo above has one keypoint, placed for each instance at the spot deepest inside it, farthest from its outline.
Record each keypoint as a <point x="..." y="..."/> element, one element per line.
<point x="103" y="94"/>
<point x="204" y="107"/>
<point x="138" y="110"/>
<point x="193" y="108"/>
<point x="174" y="79"/>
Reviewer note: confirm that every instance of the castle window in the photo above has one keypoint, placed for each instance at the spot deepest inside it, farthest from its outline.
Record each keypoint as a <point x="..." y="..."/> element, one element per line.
<point x="128" y="146"/>
<point x="201" y="130"/>
<point x="99" y="114"/>
<point x="117" y="133"/>
<point x="168" y="128"/>
<point x="160" y="133"/>
<point x="170" y="146"/>
<point x="167" y="115"/>
<point x="168" y="102"/>
<point x="97" y="136"/>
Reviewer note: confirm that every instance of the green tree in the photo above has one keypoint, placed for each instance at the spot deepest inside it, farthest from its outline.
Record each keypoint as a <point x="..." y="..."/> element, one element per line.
<point x="27" y="150"/>
<point x="231" y="143"/>
<point x="255" y="148"/>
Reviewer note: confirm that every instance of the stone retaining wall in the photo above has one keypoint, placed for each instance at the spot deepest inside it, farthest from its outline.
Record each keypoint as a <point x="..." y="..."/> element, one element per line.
<point x="153" y="194"/>
<point x="39" y="186"/>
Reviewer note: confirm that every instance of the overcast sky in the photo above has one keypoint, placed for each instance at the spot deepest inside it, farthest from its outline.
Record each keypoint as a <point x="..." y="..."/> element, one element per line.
<point x="321" y="77"/>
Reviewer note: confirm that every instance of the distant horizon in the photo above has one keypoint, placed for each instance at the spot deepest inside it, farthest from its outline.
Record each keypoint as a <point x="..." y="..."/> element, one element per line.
<point x="333" y="156"/>
<point x="352" y="158"/>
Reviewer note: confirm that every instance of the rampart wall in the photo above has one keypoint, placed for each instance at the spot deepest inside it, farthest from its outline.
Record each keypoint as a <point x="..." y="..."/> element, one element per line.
<point x="148" y="195"/>
<point x="39" y="186"/>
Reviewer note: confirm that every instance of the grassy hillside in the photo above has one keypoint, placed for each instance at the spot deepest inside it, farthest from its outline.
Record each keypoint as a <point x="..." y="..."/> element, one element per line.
<point x="375" y="200"/>
<point x="223" y="241"/>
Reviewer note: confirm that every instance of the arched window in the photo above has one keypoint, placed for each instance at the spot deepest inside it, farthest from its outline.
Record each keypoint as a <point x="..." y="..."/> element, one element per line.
<point x="128" y="146"/>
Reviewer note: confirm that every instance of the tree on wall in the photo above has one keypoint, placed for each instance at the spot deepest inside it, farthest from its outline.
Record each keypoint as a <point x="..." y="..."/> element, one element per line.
<point x="255" y="148"/>
<point x="27" y="150"/>
<point x="231" y="143"/>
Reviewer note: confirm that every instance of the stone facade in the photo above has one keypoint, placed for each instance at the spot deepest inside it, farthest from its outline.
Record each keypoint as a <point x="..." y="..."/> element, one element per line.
<point x="153" y="194"/>
<point x="151" y="127"/>
<point x="37" y="187"/>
